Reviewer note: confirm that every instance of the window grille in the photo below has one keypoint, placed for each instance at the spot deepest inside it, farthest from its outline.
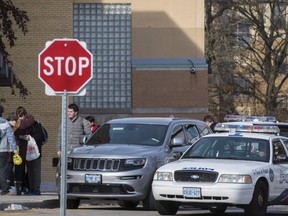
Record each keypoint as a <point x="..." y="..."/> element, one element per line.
<point x="106" y="29"/>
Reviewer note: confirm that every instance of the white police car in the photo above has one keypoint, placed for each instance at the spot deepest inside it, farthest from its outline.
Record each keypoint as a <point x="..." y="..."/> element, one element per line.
<point x="246" y="170"/>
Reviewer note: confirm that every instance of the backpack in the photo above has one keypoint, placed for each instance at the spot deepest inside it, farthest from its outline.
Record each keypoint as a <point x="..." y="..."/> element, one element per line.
<point x="38" y="126"/>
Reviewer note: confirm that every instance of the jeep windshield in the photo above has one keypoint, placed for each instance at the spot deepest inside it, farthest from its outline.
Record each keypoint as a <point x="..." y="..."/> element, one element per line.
<point x="138" y="134"/>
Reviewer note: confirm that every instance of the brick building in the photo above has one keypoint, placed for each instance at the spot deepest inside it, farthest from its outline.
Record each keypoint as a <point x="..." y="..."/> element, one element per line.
<point x="148" y="61"/>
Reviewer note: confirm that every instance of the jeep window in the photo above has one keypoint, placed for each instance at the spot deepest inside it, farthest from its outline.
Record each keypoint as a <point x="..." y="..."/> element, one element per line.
<point x="203" y="130"/>
<point x="192" y="134"/>
<point x="138" y="134"/>
<point x="178" y="136"/>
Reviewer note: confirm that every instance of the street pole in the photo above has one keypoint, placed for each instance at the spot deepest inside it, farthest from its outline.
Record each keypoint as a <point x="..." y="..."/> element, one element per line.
<point x="63" y="175"/>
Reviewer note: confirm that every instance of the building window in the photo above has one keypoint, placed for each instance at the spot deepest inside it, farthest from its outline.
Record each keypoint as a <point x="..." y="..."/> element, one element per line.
<point x="106" y="29"/>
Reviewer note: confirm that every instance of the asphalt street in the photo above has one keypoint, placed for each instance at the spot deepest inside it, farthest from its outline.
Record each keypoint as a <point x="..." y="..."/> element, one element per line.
<point x="48" y="204"/>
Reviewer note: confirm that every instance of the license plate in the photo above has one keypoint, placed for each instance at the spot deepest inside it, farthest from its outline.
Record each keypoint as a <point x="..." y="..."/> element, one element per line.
<point x="93" y="178"/>
<point x="192" y="192"/>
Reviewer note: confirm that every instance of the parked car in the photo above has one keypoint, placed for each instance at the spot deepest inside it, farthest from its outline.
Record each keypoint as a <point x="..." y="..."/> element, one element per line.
<point x="246" y="170"/>
<point x="119" y="160"/>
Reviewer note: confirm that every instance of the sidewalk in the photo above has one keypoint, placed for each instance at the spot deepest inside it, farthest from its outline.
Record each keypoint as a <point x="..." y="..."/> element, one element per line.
<point x="45" y="200"/>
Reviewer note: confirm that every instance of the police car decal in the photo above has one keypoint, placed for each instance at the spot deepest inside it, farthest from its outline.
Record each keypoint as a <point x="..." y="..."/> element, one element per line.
<point x="198" y="168"/>
<point x="271" y="175"/>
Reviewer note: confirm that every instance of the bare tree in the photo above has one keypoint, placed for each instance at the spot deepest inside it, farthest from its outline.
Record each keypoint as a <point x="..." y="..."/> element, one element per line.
<point x="247" y="47"/>
<point x="10" y="16"/>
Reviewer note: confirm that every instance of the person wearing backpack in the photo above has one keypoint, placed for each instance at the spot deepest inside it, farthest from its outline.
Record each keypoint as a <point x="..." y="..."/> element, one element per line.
<point x="25" y="132"/>
<point x="7" y="141"/>
<point x="76" y="127"/>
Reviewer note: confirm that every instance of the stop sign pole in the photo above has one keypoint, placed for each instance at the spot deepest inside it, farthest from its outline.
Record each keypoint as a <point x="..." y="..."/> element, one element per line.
<point x="65" y="66"/>
<point x="63" y="174"/>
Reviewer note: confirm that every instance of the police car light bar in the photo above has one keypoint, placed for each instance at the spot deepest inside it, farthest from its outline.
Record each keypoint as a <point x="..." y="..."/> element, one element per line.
<point x="243" y="118"/>
<point x="222" y="127"/>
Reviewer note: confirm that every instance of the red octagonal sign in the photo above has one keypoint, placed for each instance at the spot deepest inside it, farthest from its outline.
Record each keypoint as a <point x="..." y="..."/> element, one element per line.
<point x="65" y="65"/>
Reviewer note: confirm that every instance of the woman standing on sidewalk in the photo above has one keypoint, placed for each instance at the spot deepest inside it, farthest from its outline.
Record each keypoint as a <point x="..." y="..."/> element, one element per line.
<point x="23" y="133"/>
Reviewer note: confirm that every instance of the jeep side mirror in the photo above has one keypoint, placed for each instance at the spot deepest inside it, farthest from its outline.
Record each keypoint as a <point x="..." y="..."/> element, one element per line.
<point x="177" y="141"/>
<point x="83" y="139"/>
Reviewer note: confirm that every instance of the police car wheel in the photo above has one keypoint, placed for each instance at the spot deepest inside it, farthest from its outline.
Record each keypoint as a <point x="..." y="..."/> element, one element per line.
<point x="166" y="207"/>
<point x="258" y="204"/>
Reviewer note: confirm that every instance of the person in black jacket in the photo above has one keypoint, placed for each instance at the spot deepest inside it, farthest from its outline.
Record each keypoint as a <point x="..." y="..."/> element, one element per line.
<point x="209" y="120"/>
<point x="25" y="130"/>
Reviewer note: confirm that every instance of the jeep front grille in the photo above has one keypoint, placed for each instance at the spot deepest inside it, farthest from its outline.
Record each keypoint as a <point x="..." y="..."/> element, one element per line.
<point x="195" y="176"/>
<point x="96" y="164"/>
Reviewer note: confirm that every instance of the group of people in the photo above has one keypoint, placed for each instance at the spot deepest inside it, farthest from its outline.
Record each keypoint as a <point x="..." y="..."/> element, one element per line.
<point x="15" y="132"/>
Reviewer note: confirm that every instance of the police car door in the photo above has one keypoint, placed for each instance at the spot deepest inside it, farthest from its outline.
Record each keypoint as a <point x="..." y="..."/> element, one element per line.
<point x="279" y="170"/>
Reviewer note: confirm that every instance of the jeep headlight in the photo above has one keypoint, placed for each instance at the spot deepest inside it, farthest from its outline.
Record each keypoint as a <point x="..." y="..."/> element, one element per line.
<point x="163" y="176"/>
<point x="233" y="178"/>
<point x="135" y="162"/>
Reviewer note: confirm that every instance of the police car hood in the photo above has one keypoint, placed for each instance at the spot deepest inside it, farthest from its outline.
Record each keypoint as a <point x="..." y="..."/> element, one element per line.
<point x="216" y="165"/>
<point x="114" y="150"/>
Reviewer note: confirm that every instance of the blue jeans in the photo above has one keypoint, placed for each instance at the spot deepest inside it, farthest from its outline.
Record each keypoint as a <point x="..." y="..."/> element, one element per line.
<point x="3" y="166"/>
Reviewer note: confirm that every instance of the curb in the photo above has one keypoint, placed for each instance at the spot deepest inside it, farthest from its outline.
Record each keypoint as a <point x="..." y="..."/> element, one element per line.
<point x="30" y="205"/>
<point x="39" y="201"/>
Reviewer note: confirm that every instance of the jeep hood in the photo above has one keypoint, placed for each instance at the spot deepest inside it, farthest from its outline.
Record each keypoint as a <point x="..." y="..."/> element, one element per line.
<point x="114" y="150"/>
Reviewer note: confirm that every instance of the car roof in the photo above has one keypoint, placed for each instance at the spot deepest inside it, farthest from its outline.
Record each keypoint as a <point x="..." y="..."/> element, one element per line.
<point x="154" y="120"/>
<point x="246" y="135"/>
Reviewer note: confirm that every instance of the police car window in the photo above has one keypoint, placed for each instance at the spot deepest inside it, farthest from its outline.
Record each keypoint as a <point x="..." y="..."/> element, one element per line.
<point x="279" y="153"/>
<point x="285" y="142"/>
<point x="237" y="148"/>
<point x="283" y="130"/>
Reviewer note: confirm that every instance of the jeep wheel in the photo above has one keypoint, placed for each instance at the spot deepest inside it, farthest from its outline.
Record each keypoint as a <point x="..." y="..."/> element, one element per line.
<point x="258" y="204"/>
<point x="73" y="203"/>
<point x="149" y="202"/>
<point x="128" y="204"/>
<point x="166" y="207"/>
<point x="219" y="209"/>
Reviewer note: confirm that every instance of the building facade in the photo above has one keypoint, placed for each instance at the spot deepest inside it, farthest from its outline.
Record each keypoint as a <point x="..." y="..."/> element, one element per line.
<point x="148" y="60"/>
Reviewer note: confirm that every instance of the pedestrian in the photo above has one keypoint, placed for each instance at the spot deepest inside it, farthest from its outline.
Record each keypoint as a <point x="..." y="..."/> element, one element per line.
<point x="92" y="123"/>
<point x="26" y="130"/>
<point x="76" y="127"/>
<point x="7" y="141"/>
<point x="209" y="120"/>
<point x="10" y="166"/>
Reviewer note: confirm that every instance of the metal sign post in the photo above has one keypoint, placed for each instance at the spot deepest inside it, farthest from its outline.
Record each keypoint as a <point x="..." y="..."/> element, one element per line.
<point x="65" y="66"/>
<point x="63" y="183"/>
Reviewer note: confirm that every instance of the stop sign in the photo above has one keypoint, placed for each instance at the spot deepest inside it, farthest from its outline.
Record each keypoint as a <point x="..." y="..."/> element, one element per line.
<point x="65" y="65"/>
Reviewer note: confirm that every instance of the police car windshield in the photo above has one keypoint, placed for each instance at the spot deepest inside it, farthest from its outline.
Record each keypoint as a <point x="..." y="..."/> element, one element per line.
<point x="237" y="148"/>
<point x="138" y="134"/>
